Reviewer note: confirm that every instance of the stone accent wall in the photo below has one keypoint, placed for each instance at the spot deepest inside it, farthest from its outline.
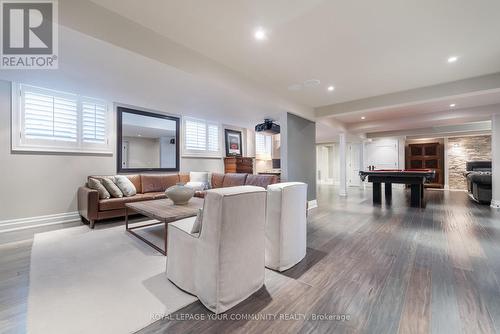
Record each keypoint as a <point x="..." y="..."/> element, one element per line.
<point x="463" y="149"/>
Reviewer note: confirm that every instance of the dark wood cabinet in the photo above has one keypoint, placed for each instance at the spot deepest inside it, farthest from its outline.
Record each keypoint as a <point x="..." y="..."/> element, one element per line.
<point x="429" y="156"/>
<point x="238" y="165"/>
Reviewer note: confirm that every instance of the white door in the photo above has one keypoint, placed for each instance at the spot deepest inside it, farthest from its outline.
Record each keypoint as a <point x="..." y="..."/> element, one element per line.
<point x="320" y="163"/>
<point x="325" y="170"/>
<point x="382" y="153"/>
<point x="353" y="165"/>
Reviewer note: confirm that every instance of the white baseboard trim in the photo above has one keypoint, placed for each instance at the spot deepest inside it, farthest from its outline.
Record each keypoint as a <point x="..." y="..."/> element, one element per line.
<point x="312" y="204"/>
<point x="32" y="222"/>
<point x="495" y="204"/>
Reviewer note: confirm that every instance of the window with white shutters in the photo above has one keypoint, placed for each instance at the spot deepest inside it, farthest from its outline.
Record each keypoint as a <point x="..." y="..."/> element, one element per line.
<point x="213" y="138"/>
<point x="49" y="116"/>
<point x="54" y="121"/>
<point x="94" y="121"/>
<point x="196" y="135"/>
<point x="263" y="146"/>
<point x="201" y="137"/>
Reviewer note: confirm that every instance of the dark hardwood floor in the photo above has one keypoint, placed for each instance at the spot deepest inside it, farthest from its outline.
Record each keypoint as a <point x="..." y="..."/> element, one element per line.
<point x="389" y="269"/>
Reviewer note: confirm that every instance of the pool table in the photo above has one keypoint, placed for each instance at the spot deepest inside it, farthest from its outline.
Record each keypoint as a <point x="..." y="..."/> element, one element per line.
<point x="416" y="178"/>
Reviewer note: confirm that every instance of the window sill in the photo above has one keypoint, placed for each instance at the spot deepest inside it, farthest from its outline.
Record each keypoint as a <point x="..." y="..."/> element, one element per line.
<point x="201" y="156"/>
<point x="62" y="151"/>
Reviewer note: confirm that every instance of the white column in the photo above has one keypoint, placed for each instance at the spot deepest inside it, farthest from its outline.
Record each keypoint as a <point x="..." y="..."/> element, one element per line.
<point x="446" y="165"/>
<point x="495" y="159"/>
<point x="342" y="165"/>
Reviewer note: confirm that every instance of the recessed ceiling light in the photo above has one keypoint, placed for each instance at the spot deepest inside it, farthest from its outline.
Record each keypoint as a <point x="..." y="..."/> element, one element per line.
<point x="452" y="105"/>
<point x="260" y="34"/>
<point x="311" y="83"/>
<point x="295" y="87"/>
<point x="331" y="88"/>
<point x="363" y="117"/>
<point x="452" y="59"/>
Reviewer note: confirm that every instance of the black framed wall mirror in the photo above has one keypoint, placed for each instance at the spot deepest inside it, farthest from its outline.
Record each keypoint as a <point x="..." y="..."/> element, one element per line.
<point x="146" y="141"/>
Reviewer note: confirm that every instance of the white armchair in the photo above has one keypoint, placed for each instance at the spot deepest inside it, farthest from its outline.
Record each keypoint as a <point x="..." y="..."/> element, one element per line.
<point x="286" y="230"/>
<point x="223" y="264"/>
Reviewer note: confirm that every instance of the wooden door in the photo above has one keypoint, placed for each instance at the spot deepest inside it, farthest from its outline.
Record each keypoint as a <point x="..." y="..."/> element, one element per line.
<point x="429" y="156"/>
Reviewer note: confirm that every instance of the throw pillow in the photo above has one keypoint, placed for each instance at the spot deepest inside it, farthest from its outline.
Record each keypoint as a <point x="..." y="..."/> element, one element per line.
<point x="111" y="187"/>
<point x="200" y="177"/>
<point x="197" y="186"/>
<point x="126" y="186"/>
<point x="197" y="223"/>
<point x="97" y="185"/>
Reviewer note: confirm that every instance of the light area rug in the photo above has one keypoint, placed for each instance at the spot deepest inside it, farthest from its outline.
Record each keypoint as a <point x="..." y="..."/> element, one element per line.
<point x="98" y="281"/>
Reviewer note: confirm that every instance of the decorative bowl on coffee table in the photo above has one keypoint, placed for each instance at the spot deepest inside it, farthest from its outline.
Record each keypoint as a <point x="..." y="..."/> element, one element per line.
<point x="180" y="194"/>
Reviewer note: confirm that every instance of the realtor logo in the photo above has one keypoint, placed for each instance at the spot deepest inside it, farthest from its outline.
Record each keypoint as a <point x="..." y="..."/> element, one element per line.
<point x="29" y="34"/>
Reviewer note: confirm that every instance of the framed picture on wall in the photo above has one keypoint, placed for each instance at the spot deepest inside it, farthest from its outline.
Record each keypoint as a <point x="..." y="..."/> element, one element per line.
<point x="233" y="143"/>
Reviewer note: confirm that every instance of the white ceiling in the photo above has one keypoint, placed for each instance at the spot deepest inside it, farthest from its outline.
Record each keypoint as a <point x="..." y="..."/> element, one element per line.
<point x="95" y="68"/>
<point x="199" y="59"/>
<point x="363" y="48"/>
<point x="390" y="113"/>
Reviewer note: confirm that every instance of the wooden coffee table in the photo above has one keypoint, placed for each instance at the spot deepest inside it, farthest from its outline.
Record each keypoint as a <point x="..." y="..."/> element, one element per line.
<point x="163" y="210"/>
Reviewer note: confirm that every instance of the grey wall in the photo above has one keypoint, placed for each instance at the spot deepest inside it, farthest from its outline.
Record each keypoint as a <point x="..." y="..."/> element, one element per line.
<point x="299" y="152"/>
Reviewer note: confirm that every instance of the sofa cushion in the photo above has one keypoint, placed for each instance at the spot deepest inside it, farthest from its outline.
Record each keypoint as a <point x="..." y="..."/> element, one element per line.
<point x="260" y="180"/>
<point x="119" y="203"/>
<point x="482" y="178"/>
<point x="234" y="180"/>
<point x="200" y="194"/>
<point x="111" y="177"/>
<point x="111" y="187"/>
<point x="197" y="186"/>
<point x="126" y="186"/>
<point x="198" y="177"/>
<point x="478" y="165"/>
<point x="184" y="177"/>
<point x="158" y="182"/>
<point x="136" y="181"/>
<point x="95" y="184"/>
<point x="217" y="180"/>
<point x="157" y="195"/>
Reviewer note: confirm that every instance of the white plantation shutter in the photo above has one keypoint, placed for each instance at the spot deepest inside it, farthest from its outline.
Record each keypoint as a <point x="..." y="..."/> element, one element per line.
<point x="260" y="144"/>
<point x="201" y="137"/>
<point x="196" y="135"/>
<point x="94" y="120"/>
<point x="263" y="146"/>
<point x="53" y="121"/>
<point x="50" y="116"/>
<point x="213" y="138"/>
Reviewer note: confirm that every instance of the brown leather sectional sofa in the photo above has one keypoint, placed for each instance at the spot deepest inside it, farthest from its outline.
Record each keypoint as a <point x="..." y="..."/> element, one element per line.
<point x="153" y="186"/>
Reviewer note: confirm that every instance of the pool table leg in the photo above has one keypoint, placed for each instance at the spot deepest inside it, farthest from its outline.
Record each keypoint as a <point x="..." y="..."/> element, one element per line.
<point x="388" y="192"/>
<point x="416" y="195"/>
<point x="377" y="193"/>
